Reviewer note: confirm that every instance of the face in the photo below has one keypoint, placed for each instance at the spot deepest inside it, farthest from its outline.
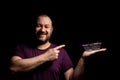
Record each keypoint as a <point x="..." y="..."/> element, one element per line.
<point x="43" y="28"/>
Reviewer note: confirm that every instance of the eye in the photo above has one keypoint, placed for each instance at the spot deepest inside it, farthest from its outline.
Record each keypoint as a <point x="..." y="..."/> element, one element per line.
<point x="38" y="25"/>
<point x="47" y="26"/>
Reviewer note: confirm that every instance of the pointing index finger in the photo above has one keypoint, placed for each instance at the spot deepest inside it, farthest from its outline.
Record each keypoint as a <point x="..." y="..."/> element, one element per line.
<point x="60" y="46"/>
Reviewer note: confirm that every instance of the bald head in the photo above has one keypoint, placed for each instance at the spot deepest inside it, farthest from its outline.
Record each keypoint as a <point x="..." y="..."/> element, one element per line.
<point x="44" y="19"/>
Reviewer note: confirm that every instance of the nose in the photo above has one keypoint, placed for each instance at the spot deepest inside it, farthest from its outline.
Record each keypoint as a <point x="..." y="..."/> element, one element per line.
<point x="43" y="28"/>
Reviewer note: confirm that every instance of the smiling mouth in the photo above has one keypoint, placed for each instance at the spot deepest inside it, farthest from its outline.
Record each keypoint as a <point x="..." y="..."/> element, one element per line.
<point x="42" y="35"/>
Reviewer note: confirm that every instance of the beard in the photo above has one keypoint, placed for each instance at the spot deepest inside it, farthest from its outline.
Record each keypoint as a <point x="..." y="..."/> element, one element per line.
<point x="43" y="37"/>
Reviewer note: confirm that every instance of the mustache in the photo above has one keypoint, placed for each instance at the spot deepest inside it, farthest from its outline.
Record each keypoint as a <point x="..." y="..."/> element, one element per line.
<point x="41" y="33"/>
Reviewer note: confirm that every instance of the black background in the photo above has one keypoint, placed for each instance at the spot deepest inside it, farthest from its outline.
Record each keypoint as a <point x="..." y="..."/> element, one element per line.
<point x="75" y="23"/>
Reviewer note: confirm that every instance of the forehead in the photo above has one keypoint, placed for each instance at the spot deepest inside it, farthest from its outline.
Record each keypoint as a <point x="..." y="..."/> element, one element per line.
<point x="44" y="20"/>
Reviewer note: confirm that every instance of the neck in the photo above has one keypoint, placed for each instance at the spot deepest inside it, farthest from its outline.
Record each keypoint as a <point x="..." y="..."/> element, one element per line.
<point x="44" y="46"/>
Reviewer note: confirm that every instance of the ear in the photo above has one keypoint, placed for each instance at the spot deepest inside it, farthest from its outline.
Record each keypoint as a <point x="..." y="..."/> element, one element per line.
<point x="52" y="29"/>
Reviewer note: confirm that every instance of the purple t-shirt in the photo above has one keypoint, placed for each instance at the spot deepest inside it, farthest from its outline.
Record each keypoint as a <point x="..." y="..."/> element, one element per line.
<point x="52" y="70"/>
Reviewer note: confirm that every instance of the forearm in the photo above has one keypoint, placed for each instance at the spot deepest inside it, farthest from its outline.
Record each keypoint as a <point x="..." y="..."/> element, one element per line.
<point x="28" y="64"/>
<point x="79" y="69"/>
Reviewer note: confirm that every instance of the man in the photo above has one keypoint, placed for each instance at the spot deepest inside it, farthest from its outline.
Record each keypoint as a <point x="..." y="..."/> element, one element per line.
<point x="46" y="61"/>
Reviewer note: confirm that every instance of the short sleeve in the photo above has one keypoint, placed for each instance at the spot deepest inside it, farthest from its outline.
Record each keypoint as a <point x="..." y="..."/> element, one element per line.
<point x="19" y="51"/>
<point x="66" y="61"/>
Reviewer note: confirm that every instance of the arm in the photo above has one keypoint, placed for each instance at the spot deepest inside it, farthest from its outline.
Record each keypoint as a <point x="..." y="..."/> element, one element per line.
<point x="75" y="74"/>
<point x="78" y="72"/>
<point x="79" y="69"/>
<point x="19" y="64"/>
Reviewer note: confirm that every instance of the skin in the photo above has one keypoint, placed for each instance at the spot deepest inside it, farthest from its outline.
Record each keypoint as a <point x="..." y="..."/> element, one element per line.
<point x="43" y="32"/>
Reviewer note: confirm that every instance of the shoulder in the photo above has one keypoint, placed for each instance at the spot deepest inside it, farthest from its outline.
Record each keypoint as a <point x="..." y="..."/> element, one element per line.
<point x="55" y="45"/>
<point x="23" y="46"/>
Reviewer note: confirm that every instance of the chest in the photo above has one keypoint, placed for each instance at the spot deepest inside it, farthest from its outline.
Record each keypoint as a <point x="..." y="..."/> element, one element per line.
<point x="50" y="66"/>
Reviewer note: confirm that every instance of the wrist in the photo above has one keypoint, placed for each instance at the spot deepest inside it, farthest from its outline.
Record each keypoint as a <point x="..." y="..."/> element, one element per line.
<point x="45" y="57"/>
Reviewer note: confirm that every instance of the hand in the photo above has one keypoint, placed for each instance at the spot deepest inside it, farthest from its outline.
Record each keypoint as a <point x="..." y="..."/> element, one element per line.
<point x="53" y="53"/>
<point x="90" y="52"/>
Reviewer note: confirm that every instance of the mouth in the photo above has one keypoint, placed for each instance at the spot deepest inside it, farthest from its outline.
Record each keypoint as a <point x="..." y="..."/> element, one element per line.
<point x="42" y="35"/>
